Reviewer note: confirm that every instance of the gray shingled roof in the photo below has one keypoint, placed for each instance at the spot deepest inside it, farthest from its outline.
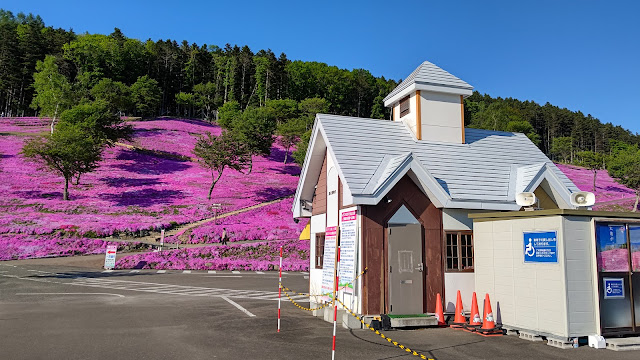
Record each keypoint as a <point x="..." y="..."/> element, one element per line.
<point x="368" y="151"/>
<point x="430" y="74"/>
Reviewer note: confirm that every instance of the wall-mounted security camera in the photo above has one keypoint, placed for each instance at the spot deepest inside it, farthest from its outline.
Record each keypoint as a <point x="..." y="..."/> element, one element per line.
<point x="583" y="199"/>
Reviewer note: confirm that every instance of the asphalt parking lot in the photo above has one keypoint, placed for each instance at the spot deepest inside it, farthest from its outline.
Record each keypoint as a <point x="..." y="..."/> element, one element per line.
<point x="60" y="312"/>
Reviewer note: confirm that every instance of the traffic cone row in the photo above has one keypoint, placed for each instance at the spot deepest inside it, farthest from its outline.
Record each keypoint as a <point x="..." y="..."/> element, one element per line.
<point x="485" y="326"/>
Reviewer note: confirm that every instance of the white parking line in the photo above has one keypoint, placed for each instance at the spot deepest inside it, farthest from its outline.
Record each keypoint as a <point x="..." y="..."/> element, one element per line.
<point x="224" y="276"/>
<point x="118" y="295"/>
<point x="134" y="271"/>
<point x="162" y="271"/>
<point x="186" y="271"/>
<point x="235" y="272"/>
<point x="211" y="272"/>
<point x="238" y="306"/>
<point x="259" y="272"/>
<point x="108" y="271"/>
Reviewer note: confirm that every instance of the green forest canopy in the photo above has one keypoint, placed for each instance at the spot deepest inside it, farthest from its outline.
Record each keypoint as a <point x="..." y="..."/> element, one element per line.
<point x="204" y="77"/>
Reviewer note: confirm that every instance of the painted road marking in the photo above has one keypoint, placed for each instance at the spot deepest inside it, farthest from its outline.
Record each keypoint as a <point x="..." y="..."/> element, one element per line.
<point x="186" y="272"/>
<point x="235" y="272"/>
<point x="238" y="306"/>
<point x="259" y="272"/>
<point x="162" y="271"/>
<point x="170" y="289"/>
<point x="108" y="271"/>
<point x="134" y="271"/>
<point x="224" y="276"/>
<point x="211" y="272"/>
<point x="305" y="273"/>
<point x="118" y="295"/>
<point x="305" y="277"/>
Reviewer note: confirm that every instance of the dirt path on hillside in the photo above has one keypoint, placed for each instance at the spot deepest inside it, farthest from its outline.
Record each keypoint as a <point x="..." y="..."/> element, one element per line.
<point x="183" y="231"/>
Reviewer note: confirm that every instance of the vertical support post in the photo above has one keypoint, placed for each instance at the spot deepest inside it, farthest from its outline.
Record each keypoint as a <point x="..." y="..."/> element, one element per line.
<point x="335" y="304"/>
<point x="279" y="287"/>
<point x="161" y="239"/>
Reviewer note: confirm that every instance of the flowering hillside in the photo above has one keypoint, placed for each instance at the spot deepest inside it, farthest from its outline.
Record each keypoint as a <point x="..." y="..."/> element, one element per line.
<point x="255" y="256"/>
<point x="608" y="191"/>
<point x="131" y="192"/>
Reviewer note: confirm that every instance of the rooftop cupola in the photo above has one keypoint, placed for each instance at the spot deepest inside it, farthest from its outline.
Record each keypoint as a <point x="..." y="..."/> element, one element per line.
<point x="430" y="103"/>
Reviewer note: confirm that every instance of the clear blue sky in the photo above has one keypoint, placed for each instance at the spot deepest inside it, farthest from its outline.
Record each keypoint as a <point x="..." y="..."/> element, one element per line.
<point x="583" y="55"/>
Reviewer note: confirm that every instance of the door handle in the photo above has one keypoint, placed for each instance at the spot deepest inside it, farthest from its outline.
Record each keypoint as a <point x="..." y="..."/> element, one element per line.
<point x="420" y="267"/>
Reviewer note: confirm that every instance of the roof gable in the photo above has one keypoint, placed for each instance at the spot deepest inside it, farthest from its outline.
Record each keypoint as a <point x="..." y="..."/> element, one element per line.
<point x="428" y="76"/>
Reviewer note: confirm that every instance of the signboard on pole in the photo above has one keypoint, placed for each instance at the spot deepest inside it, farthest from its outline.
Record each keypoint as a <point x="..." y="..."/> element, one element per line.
<point x="541" y="247"/>
<point x="613" y="288"/>
<point x="348" y="228"/>
<point x="110" y="257"/>
<point x="329" y="259"/>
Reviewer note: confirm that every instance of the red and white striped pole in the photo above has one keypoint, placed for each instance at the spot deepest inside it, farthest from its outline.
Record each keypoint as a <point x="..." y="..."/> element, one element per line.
<point x="335" y="306"/>
<point x="279" y="287"/>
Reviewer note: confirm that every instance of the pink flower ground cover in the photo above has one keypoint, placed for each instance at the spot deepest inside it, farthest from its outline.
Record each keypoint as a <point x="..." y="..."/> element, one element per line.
<point x="607" y="189"/>
<point x="256" y="257"/>
<point x="171" y="136"/>
<point x="19" y="246"/>
<point x="26" y="125"/>
<point x="271" y="222"/>
<point x="130" y="192"/>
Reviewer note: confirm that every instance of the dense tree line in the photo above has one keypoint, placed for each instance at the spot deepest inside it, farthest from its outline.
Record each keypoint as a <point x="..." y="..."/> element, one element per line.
<point x="559" y="132"/>
<point x="216" y="75"/>
<point x="45" y="71"/>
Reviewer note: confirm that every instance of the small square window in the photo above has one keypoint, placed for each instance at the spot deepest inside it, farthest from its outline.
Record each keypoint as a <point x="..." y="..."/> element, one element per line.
<point x="458" y="249"/>
<point x="404" y="106"/>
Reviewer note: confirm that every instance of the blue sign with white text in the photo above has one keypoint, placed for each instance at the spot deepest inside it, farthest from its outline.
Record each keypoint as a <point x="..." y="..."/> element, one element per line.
<point x="541" y="247"/>
<point x="613" y="288"/>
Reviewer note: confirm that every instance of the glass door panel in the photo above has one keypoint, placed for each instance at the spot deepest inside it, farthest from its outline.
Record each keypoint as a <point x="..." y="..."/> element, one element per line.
<point x="613" y="255"/>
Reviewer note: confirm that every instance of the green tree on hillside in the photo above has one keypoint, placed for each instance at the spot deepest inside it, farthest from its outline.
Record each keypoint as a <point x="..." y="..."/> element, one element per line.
<point x="289" y="134"/>
<point x="562" y="148"/>
<point x="53" y="93"/>
<point x="256" y="129"/>
<point x="97" y="121"/>
<point x="592" y="161"/>
<point x="216" y="153"/>
<point x="115" y="94"/>
<point x="229" y="114"/>
<point x="68" y="152"/>
<point x="624" y="165"/>
<point x="146" y="95"/>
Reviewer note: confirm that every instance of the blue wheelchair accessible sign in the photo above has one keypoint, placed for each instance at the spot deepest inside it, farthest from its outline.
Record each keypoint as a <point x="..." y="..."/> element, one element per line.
<point x="541" y="247"/>
<point x="613" y="288"/>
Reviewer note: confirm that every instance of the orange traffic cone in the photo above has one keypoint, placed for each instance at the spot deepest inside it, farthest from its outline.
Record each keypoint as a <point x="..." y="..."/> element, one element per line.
<point x="488" y="323"/>
<point x="439" y="312"/>
<point x="459" y="320"/>
<point x="474" y="320"/>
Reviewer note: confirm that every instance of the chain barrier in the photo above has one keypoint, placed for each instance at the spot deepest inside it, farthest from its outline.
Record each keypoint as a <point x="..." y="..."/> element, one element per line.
<point x="302" y="307"/>
<point x="328" y="293"/>
<point x="395" y="343"/>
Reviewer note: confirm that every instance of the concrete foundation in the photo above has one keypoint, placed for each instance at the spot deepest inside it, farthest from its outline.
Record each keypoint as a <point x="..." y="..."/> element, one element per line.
<point x="623" y="344"/>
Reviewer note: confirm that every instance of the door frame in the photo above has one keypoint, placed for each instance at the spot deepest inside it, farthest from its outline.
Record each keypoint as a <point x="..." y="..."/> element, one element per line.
<point x="385" y="252"/>
<point x="635" y="328"/>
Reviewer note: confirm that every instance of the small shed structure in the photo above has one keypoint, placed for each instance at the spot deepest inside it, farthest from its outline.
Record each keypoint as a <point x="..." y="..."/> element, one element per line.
<point x="560" y="273"/>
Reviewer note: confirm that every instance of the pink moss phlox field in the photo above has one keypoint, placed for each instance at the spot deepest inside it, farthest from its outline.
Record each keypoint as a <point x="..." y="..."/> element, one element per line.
<point x="255" y="257"/>
<point x="25" y="125"/>
<point x="131" y="192"/>
<point x="18" y="246"/>
<point x="607" y="189"/>
<point x="270" y="222"/>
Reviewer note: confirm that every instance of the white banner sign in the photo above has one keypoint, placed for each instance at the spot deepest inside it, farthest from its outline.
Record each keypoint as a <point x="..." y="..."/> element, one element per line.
<point x="348" y="237"/>
<point x="110" y="257"/>
<point x="329" y="259"/>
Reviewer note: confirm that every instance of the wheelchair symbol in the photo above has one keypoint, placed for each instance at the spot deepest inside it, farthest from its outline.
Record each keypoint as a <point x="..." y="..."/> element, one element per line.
<point x="609" y="289"/>
<point x="529" y="249"/>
